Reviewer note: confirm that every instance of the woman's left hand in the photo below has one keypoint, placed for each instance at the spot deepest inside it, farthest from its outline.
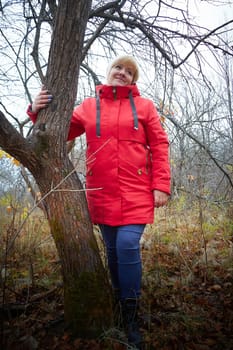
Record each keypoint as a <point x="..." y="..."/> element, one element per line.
<point x="160" y="198"/>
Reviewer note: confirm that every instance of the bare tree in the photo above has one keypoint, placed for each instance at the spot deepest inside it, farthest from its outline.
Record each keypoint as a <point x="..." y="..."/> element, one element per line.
<point x="44" y="154"/>
<point x="85" y="34"/>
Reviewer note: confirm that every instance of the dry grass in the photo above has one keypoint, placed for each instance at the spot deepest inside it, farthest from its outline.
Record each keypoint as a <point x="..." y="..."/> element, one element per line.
<point x="187" y="273"/>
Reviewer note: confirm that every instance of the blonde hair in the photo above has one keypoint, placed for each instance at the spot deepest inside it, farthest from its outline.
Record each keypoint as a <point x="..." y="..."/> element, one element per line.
<point x="129" y="60"/>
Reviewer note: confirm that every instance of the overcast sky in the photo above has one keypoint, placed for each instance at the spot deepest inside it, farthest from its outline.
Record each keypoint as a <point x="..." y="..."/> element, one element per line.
<point x="211" y="16"/>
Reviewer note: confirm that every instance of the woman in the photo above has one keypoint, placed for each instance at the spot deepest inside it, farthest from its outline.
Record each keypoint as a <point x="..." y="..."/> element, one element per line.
<point x="127" y="158"/>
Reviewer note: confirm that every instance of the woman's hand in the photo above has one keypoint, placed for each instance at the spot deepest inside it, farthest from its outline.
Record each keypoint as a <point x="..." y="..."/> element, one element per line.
<point x="160" y="198"/>
<point x="41" y="101"/>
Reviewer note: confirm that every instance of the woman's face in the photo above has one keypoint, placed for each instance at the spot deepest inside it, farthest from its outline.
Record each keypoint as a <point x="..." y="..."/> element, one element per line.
<point x="121" y="74"/>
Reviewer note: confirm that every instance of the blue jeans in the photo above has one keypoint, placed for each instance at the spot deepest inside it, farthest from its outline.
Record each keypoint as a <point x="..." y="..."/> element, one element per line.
<point x="124" y="259"/>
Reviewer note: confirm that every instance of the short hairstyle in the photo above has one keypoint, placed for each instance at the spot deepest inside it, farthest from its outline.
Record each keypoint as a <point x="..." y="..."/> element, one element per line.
<point x="129" y="60"/>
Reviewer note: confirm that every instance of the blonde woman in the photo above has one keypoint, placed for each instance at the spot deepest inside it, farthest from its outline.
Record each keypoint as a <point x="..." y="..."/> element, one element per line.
<point x="128" y="149"/>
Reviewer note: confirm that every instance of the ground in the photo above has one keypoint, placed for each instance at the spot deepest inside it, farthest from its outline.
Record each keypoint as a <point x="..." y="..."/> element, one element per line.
<point x="186" y="302"/>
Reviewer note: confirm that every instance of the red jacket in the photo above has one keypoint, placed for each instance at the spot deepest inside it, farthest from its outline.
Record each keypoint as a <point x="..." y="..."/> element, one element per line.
<point x="126" y="157"/>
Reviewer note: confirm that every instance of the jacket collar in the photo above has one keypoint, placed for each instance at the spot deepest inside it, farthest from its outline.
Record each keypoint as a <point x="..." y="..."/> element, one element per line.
<point x="117" y="92"/>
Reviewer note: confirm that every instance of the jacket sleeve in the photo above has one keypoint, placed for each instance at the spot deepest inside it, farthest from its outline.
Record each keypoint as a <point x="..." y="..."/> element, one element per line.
<point x="76" y="123"/>
<point x="76" y="126"/>
<point x="32" y="116"/>
<point x="159" y="147"/>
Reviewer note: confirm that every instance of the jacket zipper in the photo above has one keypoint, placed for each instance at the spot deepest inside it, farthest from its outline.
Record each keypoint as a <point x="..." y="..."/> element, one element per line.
<point x="114" y="90"/>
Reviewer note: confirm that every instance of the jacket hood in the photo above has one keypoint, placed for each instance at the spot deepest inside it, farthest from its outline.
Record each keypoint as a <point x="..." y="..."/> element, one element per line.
<point x="117" y="92"/>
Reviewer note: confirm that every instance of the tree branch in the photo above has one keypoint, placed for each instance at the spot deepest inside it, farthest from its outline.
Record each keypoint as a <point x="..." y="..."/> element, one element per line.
<point x="203" y="146"/>
<point x="203" y="40"/>
<point x="102" y="9"/>
<point x="147" y="29"/>
<point x="15" y="144"/>
<point x="35" y="50"/>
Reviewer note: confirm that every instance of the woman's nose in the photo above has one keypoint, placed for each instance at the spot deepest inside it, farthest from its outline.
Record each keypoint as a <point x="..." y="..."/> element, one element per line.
<point x="122" y="71"/>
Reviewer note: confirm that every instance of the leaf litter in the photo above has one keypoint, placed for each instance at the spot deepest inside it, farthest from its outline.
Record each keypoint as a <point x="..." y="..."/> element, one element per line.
<point x="186" y="303"/>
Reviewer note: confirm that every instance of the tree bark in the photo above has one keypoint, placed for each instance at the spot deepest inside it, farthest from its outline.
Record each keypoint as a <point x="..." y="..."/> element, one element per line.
<point x="87" y="294"/>
<point x="87" y="299"/>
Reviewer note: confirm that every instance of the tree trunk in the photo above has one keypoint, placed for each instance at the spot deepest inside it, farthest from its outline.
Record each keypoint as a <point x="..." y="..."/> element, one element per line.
<point x="87" y="293"/>
<point x="87" y="296"/>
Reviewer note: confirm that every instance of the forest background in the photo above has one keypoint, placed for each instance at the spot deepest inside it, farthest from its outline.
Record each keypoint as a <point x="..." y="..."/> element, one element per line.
<point x="184" y="50"/>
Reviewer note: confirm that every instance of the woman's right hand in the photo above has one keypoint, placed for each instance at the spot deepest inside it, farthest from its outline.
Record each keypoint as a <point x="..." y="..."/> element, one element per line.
<point x="41" y="101"/>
